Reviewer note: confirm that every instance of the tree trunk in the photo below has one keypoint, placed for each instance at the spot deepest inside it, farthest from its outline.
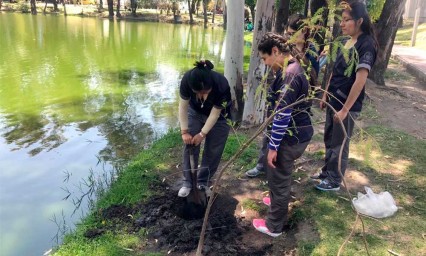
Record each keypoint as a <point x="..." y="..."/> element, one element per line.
<point x="336" y="32"/>
<point x="45" y="7"/>
<point x="117" y="13"/>
<point x="386" y="28"/>
<point x="225" y="15"/>
<point x="1" y="1"/>
<point x="191" y="19"/>
<point x="254" y="107"/>
<point x="282" y="16"/>
<point x="110" y="8"/>
<point x="133" y="7"/>
<point x="214" y="10"/>
<point x="65" y="8"/>
<point x="55" y="6"/>
<point x="205" y="12"/>
<point x="234" y="56"/>
<point x="252" y="12"/>
<point x="305" y="10"/>
<point x="101" y="5"/>
<point x="320" y="35"/>
<point x="33" y="7"/>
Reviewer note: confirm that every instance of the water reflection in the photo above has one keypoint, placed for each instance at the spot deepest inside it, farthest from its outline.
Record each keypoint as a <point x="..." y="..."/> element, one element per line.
<point x="75" y="92"/>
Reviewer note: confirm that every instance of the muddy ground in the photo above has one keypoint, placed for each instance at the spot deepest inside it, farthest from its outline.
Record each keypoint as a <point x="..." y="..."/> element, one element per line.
<point x="229" y="230"/>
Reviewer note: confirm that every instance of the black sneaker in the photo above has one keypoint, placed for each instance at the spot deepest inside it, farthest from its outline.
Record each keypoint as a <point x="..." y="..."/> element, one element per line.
<point x="327" y="185"/>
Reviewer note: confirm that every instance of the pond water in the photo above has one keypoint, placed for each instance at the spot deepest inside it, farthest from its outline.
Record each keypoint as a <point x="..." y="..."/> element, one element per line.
<point x="80" y="97"/>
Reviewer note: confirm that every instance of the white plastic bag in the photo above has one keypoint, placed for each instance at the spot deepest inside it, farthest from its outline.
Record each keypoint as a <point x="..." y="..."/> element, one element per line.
<point x="375" y="205"/>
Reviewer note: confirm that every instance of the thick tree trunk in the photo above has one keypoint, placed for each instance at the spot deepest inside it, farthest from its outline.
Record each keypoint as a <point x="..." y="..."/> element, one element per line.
<point x="110" y="8"/>
<point x="117" y="13"/>
<point x="254" y="107"/>
<point x="282" y="16"/>
<point x="234" y="55"/>
<point x="33" y="7"/>
<point x="386" y="28"/>
<point x="205" y="12"/>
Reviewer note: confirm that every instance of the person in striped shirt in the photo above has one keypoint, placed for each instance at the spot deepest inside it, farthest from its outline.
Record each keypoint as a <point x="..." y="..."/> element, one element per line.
<point x="291" y="129"/>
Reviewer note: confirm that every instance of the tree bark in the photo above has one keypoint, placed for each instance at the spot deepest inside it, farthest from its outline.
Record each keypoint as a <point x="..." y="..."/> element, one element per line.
<point x="253" y="13"/>
<point x="110" y="8"/>
<point x="386" y="28"/>
<point x="55" y="5"/>
<point x="234" y="56"/>
<point x="205" y="12"/>
<point x="282" y="16"/>
<point x="118" y="14"/>
<point x="65" y="8"/>
<point x="101" y="5"/>
<point x="214" y="10"/>
<point x="305" y="10"/>
<point x="33" y="7"/>
<point x="254" y="107"/>
<point x="191" y="19"/>
<point x="225" y="15"/>
<point x="133" y="7"/>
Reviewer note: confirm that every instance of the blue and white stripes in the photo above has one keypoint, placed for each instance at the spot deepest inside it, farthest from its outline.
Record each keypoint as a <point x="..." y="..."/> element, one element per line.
<point x="279" y="127"/>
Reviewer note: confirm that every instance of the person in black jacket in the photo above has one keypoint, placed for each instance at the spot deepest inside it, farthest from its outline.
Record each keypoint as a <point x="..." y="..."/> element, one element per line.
<point x="205" y="101"/>
<point x="345" y="91"/>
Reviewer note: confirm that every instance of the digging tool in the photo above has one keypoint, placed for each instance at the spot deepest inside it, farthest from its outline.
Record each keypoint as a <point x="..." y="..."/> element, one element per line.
<point x="196" y="202"/>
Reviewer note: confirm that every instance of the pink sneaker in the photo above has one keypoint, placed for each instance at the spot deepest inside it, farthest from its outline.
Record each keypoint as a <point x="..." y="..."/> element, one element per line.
<point x="267" y="200"/>
<point x="260" y="225"/>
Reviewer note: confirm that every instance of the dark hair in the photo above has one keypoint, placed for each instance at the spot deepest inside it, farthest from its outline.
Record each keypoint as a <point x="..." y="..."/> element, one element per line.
<point x="358" y="10"/>
<point x="270" y="40"/>
<point x="295" y="21"/>
<point x="200" y="76"/>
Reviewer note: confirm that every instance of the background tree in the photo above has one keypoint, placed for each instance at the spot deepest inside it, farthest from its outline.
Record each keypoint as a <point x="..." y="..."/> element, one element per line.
<point x="386" y="28"/>
<point x="118" y="14"/>
<point x="110" y="8"/>
<point x="215" y="2"/>
<point x="101" y="5"/>
<point x="133" y="7"/>
<point x="316" y="6"/>
<point x="235" y="55"/>
<point x="256" y="91"/>
<point x="191" y="8"/>
<point x="225" y="15"/>
<point x="33" y="7"/>
<point x="282" y="16"/>
<point x="205" y="2"/>
<point x="251" y="5"/>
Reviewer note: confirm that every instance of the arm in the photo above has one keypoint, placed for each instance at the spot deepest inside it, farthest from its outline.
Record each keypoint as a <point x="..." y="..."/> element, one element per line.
<point x="361" y="78"/>
<point x="183" y="120"/>
<point x="210" y="122"/>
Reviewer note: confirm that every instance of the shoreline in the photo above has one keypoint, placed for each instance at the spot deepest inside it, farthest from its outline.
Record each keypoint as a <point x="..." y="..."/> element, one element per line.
<point x="92" y="11"/>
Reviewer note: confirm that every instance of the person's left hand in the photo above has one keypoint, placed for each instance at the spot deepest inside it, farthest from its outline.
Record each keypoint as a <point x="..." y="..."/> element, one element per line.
<point x="341" y="115"/>
<point x="197" y="139"/>
<point x="272" y="158"/>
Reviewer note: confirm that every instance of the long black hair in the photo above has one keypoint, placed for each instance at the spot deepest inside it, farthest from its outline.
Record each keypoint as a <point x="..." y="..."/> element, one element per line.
<point x="200" y="78"/>
<point x="358" y="10"/>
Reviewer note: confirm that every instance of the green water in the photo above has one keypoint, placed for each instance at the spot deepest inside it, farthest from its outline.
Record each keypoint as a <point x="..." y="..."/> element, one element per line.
<point x="80" y="95"/>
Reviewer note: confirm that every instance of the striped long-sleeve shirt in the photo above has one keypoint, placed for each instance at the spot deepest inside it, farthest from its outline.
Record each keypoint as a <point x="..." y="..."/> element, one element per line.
<point x="292" y="124"/>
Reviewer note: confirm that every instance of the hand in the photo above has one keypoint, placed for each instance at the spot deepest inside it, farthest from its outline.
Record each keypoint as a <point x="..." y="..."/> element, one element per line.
<point x="272" y="157"/>
<point x="197" y="139"/>
<point x="323" y="53"/>
<point x="341" y="115"/>
<point x="187" y="138"/>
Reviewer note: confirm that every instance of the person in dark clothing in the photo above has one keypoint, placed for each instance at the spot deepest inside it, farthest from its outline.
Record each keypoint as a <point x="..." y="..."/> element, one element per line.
<point x="291" y="129"/>
<point x="205" y="101"/>
<point x="345" y="91"/>
<point x="296" y="34"/>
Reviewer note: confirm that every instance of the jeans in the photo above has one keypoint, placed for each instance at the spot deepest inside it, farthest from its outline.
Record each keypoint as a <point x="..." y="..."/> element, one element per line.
<point x="214" y="145"/>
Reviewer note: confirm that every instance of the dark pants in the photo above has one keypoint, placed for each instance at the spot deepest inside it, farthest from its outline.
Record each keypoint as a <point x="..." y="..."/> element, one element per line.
<point x="333" y="139"/>
<point x="261" y="161"/>
<point x="213" y="148"/>
<point x="279" y="182"/>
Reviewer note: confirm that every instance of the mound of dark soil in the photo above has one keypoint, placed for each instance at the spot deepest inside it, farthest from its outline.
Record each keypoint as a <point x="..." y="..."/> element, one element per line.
<point x="167" y="232"/>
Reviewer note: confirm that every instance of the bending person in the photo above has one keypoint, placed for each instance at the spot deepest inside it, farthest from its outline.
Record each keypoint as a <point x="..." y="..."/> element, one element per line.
<point x="205" y="100"/>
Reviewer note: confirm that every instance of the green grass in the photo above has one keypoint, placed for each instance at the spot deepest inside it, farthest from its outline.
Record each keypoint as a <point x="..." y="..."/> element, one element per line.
<point x="403" y="36"/>
<point x="396" y="163"/>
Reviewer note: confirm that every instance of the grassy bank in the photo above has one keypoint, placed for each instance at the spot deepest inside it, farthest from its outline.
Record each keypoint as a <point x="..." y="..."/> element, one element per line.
<point x="403" y="36"/>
